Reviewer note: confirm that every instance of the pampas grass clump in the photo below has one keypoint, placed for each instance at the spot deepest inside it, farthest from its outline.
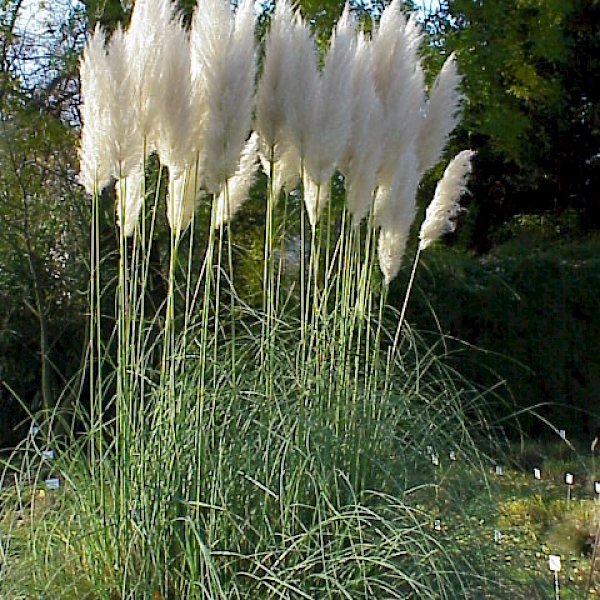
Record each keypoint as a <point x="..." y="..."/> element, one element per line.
<point x="238" y="452"/>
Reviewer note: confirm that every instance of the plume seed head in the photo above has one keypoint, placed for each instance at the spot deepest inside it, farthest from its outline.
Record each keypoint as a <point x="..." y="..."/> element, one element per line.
<point x="329" y="127"/>
<point x="445" y="207"/>
<point x="181" y="197"/>
<point x="130" y="197"/>
<point x="236" y="191"/>
<point x="272" y="93"/>
<point x="94" y="152"/>
<point x="223" y="63"/>
<point x="441" y="115"/>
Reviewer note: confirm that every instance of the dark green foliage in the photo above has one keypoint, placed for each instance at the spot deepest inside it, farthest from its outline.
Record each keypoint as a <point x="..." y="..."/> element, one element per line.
<point x="525" y="315"/>
<point x="530" y="75"/>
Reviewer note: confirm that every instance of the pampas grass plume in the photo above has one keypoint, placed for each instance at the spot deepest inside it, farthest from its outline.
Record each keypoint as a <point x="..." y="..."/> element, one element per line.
<point x="286" y="166"/>
<point x="395" y="211"/>
<point x="129" y="200"/>
<point x="238" y="187"/>
<point x="175" y="139"/>
<point x="272" y="93"/>
<point x="444" y="207"/>
<point x="181" y="197"/>
<point x="316" y="196"/>
<point x="145" y="39"/>
<point x="94" y="155"/>
<point x="398" y="76"/>
<point x="329" y="128"/>
<point x="362" y="157"/>
<point x="400" y="87"/>
<point x="391" y="247"/>
<point x="223" y="54"/>
<point x="125" y="138"/>
<point x="302" y="88"/>
<point x="441" y="114"/>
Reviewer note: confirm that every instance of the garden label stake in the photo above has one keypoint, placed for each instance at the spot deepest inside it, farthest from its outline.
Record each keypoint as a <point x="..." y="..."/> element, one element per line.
<point x="569" y="481"/>
<point x="554" y="564"/>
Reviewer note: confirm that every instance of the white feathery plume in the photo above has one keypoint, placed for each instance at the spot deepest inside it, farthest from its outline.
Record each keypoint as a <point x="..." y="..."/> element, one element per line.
<point x="129" y="205"/>
<point x="399" y="84"/>
<point x="390" y="249"/>
<point x="286" y="166"/>
<point x="94" y="146"/>
<point x="223" y="61"/>
<point x="316" y="195"/>
<point x="329" y="129"/>
<point x="145" y="39"/>
<point x="302" y="87"/>
<point x="395" y="210"/>
<point x="127" y="145"/>
<point x="272" y="92"/>
<point x="181" y="197"/>
<point x="445" y="207"/>
<point x="238" y="187"/>
<point x="440" y="115"/>
<point x="207" y="54"/>
<point x="362" y="157"/>
<point x="175" y="139"/>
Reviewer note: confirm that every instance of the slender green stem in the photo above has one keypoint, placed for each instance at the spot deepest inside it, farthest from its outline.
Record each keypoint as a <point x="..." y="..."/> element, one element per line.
<point x="405" y="302"/>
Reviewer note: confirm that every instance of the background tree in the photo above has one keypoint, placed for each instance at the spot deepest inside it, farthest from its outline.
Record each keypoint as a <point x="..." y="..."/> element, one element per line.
<point x="530" y="76"/>
<point x="44" y="218"/>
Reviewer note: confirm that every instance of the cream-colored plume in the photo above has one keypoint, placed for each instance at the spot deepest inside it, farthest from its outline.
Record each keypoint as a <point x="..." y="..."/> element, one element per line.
<point x="126" y="142"/>
<point x="181" y="197"/>
<point x="285" y="172"/>
<point x="302" y="87"/>
<point x="272" y="92"/>
<point x="440" y="115"/>
<point x="395" y="210"/>
<point x="399" y="84"/>
<point x="129" y="200"/>
<point x="94" y="145"/>
<point x="146" y="37"/>
<point x="362" y="157"/>
<point x="223" y="62"/>
<point x="175" y="128"/>
<point x="316" y="196"/>
<point x="330" y="123"/>
<point x="443" y="209"/>
<point x="320" y="107"/>
<point x="235" y="194"/>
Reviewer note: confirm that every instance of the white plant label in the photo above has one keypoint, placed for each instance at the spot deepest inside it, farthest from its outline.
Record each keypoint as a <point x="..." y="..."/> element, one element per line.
<point x="452" y="455"/>
<point x="497" y="536"/>
<point x="597" y="487"/>
<point x="554" y="563"/>
<point x="537" y="473"/>
<point x="53" y="483"/>
<point x="435" y="460"/>
<point x="48" y="454"/>
<point x="563" y="434"/>
<point x="569" y="478"/>
<point x="498" y="470"/>
<point x="437" y="525"/>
